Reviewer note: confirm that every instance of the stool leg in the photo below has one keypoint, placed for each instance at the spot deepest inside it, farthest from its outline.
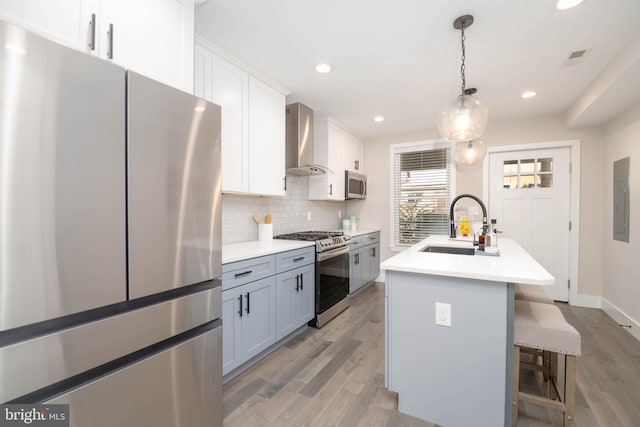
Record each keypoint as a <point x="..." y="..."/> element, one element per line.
<point x="515" y="386"/>
<point x="569" y="390"/>
<point x="554" y="374"/>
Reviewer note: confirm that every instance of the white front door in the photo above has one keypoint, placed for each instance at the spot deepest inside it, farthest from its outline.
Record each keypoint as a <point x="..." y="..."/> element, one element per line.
<point x="529" y="196"/>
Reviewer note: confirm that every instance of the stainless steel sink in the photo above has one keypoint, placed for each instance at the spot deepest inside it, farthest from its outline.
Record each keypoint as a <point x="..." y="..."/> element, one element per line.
<point x="455" y="250"/>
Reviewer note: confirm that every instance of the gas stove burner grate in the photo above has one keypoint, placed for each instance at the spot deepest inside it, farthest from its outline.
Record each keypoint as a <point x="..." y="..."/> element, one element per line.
<point x="310" y="235"/>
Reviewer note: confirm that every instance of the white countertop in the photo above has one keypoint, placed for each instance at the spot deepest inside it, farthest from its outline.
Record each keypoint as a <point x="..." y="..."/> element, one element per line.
<point x="514" y="265"/>
<point x="252" y="249"/>
<point x="358" y="231"/>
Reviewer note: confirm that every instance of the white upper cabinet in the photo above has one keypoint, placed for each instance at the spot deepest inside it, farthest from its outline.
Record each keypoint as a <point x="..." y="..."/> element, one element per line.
<point x="330" y="141"/>
<point x="151" y="37"/>
<point x="253" y="123"/>
<point x="354" y="154"/>
<point x="266" y="139"/>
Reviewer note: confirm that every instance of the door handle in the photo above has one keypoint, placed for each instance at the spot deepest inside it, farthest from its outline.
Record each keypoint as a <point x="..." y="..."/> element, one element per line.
<point x="244" y="273"/>
<point x="110" y="36"/>
<point x="330" y="189"/>
<point x="298" y="283"/>
<point x="301" y="282"/>
<point x="92" y="32"/>
<point x="248" y="302"/>
<point x="300" y="258"/>
<point x="373" y="253"/>
<point x="240" y="299"/>
<point x="285" y="183"/>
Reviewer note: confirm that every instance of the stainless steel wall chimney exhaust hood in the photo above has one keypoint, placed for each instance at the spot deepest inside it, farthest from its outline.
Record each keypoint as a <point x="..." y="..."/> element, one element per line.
<point x="299" y="148"/>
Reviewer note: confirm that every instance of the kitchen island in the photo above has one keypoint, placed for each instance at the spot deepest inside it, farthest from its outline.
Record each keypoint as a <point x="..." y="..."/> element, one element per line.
<point x="457" y="375"/>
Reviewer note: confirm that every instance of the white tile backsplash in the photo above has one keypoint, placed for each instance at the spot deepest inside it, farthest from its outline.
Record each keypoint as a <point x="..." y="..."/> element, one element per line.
<point x="289" y="212"/>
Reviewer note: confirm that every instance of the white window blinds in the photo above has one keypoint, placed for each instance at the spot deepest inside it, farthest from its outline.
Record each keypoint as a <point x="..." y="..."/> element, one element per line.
<point x="423" y="190"/>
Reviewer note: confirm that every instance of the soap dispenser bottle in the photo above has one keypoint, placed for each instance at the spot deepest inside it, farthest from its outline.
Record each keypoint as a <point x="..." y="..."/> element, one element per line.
<point x="491" y="240"/>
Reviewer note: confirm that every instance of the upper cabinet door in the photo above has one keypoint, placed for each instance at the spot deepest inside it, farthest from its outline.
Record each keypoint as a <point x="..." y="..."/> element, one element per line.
<point x="266" y="138"/>
<point x="64" y="21"/>
<point x="230" y="90"/>
<point x="152" y="37"/>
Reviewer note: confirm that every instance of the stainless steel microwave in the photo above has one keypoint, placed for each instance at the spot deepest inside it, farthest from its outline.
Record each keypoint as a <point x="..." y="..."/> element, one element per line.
<point x="355" y="185"/>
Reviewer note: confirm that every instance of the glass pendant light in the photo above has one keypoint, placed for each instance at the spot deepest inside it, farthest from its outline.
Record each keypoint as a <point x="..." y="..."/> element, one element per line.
<point x="464" y="119"/>
<point x="470" y="153"/>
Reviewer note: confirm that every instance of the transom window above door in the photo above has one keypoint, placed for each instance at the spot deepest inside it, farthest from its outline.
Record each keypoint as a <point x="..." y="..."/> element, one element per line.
<point x="528" y="173"/>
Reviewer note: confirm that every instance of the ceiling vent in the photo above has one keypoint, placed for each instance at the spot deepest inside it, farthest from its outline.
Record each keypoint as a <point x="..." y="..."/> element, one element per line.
<point x="576" y="57"/>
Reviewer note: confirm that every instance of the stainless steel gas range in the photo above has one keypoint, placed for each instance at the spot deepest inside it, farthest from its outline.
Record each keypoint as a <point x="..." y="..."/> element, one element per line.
<point x="332" y="272"/>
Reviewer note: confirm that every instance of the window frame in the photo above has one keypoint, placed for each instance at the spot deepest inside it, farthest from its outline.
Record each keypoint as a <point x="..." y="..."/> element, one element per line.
<point x="409" y="147"/>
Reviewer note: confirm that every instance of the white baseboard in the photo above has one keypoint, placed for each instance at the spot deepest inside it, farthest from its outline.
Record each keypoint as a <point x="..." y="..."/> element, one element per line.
<point x="589" y="301"/>
<point x="621" y="317"/>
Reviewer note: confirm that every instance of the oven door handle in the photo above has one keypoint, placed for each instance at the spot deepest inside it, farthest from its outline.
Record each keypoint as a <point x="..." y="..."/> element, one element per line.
<point x="333" y="253"/>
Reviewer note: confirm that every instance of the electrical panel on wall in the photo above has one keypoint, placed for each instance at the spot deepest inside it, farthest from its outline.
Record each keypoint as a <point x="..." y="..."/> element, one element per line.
<point x="621" y="200"/>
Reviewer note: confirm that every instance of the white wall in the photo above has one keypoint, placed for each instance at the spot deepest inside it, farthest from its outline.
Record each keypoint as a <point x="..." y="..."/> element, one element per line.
<point x="621" y="271"/>
<point x="289" y="212"/>
<point x="375" y="210"/>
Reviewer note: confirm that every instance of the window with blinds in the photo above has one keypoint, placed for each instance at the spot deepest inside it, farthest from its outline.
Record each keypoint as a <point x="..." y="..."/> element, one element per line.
<point x="423" y="190"/>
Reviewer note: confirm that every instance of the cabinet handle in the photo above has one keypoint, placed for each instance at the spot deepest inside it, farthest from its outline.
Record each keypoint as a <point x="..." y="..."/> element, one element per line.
<point x="357" y="259"/>
<point x="285" y="183"/>
<point x="110" y="34"/>
<point x="244" y="273"/>
<point x="92" y="32"/>
<point x="331" y="189"/>
<point x="298" y="259"/>
<point x="240" y="299"/>
<point x="301" y="282"/>
<point x="248" y="302"/>
<point x="298" y="283"/>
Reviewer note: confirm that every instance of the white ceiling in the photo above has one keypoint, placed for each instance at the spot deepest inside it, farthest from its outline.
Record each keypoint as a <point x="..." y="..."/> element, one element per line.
<point x="401" y="58"/>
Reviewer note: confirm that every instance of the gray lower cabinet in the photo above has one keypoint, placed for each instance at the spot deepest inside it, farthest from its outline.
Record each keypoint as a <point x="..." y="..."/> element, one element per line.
<point x="248" y="316"/>
<point x="295" y="290"/>
<point x="364" y="260"/>
<point x="263" y="300"/>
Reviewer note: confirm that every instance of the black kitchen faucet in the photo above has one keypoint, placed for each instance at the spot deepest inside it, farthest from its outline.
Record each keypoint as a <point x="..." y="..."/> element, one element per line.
<point x="485" y="225"/>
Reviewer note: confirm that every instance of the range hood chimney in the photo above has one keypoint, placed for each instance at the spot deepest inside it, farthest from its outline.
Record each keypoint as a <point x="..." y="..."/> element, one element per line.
<point x="299" y="147"/>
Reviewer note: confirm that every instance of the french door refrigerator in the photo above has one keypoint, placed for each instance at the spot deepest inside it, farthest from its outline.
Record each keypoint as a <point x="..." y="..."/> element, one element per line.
<point x="110" y="241"/>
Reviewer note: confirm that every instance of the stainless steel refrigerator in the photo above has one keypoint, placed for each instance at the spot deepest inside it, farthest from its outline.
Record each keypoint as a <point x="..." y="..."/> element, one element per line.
<point x="110" y="241"/>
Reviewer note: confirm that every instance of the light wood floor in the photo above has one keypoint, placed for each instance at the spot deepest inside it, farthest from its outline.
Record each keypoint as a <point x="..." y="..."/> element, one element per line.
<point x="335" y="376"/>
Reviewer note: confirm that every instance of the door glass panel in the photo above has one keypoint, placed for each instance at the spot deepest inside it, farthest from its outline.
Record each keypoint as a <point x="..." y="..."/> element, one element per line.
<point x="527" y="166"/>
<point x="527" y="181"/>
<point x="545" y="165"/>
<point x="510" y="167"/>
<point x="510" y="182"/>
<point x="545" y="180"/>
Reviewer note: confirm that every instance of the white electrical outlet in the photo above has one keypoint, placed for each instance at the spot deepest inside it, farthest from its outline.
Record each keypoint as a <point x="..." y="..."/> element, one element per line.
<point x="443" y="314"/>
<point x="308" y="215"/>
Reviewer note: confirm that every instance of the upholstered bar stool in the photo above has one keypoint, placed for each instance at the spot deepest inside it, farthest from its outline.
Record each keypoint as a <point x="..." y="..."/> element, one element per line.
<point x="531" y="293"/>
<point x="543" y="327"/>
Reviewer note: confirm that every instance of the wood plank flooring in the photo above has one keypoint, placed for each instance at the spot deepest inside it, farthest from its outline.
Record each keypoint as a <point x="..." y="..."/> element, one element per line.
<point x="335" y="376"/>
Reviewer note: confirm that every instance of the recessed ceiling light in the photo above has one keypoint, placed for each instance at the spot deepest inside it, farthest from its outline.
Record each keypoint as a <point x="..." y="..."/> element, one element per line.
<point x="378" y="119"/>
<point x="528" y="94"/>
<point x="567" y="4"/>
<point x="323" y="67"/>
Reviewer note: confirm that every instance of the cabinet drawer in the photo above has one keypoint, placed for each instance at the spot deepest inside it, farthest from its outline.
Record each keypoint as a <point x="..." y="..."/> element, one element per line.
<point x="371" y="238"/>
<point x="241" y="272"/>
<point x="356" y="242"/>
<point x="294" y="259"/>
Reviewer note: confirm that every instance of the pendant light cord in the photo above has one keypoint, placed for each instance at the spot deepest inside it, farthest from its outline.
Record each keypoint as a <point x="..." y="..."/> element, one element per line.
<point x="463" y="58"/>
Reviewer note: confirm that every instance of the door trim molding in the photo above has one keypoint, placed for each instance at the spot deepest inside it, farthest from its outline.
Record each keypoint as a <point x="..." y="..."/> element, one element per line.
<point x="574" y="189"/>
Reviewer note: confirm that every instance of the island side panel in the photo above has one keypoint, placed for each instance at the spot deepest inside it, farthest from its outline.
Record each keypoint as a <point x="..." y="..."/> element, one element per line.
<point x="453" y="376"/>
